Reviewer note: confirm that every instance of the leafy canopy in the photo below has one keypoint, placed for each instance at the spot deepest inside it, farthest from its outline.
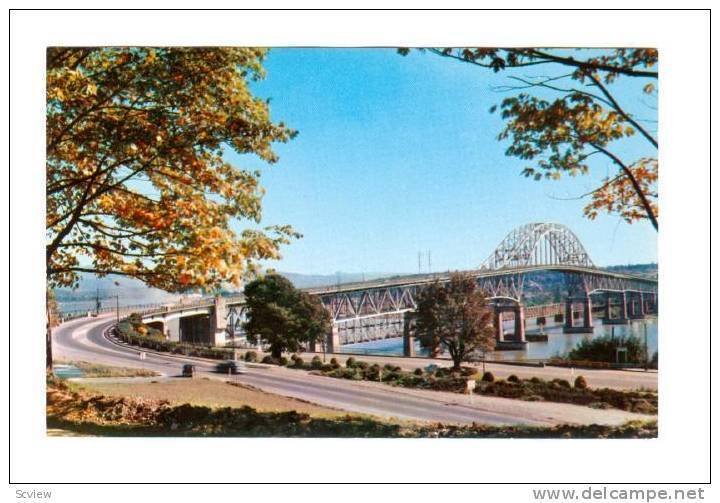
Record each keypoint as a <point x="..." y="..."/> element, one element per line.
<point x="137" y="183"/>
<point x="283" y="316"/>
<point x="456" y="317"/>
<point x="560" y="121"/>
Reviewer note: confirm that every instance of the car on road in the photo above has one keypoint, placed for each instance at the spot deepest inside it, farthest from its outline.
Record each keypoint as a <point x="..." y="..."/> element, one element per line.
<point x="231" y="367"/>
<point x="188" y="370"/>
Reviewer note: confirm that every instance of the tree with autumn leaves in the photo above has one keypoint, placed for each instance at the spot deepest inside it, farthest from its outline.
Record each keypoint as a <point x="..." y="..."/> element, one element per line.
<point x="137" y="180"/>
<point x="570" y="112"/>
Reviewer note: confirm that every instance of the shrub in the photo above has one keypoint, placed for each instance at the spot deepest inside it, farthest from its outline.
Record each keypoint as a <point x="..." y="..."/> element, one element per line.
<point x="362" y="365"/>
<point x="488" y="377"/>
<point x="603" y="349"/>
<point x="562" y="383"/>
<point x="580" y="382"/>
<point x="299" y="362"/>
<point x="251" y="356"/>
<point x="334" y="363"/>
<point x="513" y="378"/>
<point x="294" y="356"/>
<point x="350" y="363"/>
<point x="269" y="359"/>
<point x="282" y="361"/>
<point x="418" y="372"/>
<point x="535" y="380"/>
<point x="316" y="363"/>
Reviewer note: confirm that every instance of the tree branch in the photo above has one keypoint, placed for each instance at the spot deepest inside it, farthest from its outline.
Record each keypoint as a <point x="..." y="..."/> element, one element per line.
<point x="638" y="190"/>
<point x="622" y="112"/>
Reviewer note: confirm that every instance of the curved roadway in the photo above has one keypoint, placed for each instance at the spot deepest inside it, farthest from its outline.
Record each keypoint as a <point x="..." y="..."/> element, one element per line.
<point x="85" y="340"/>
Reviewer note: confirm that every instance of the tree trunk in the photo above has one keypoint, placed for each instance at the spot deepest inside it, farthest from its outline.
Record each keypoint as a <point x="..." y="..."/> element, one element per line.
<point x="48" y="348"/>
<point x="48" y="336"/>
<point x="276" y="351"/>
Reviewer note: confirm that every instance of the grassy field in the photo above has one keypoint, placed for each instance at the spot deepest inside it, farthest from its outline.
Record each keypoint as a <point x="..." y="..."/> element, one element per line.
<point x="98" y="370"/>
<point x="209" y="393"/>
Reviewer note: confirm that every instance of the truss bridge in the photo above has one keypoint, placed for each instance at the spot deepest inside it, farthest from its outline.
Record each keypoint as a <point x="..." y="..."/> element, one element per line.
<point x="382" y="308"/>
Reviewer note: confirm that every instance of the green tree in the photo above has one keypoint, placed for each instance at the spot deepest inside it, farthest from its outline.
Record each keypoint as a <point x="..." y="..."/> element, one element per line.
<point x="562" y="117"/>
<point x="454" y="316"/>
<point x="283" y="316"/>
<point x="137" y="181"/>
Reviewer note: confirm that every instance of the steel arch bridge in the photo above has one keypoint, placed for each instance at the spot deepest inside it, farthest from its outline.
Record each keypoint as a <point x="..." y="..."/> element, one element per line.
<point x="381" y="305"/>
<point x="528" y="249"/>
<point x="538" y="244"/>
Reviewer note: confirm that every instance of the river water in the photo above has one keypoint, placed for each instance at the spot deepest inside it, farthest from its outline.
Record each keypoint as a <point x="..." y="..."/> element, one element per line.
<point x="558" y="343"/>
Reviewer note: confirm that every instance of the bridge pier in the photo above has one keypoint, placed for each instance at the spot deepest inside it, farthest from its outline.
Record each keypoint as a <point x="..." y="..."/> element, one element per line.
<point x="333" y="340"/>
<point x="218" y="322"/>
<point x="519" y="332"/>
<point x="622" y="318"/>
<point x="518" y="311"/>
<point x="651" y="303"/>
<point x="499" y="331"/>
<point x="587" y="323"/>
<point x="608" y="306"/>
<point x="172" y="329"/>
<point x="408" y="338"/>
<point x="637" y="307"/>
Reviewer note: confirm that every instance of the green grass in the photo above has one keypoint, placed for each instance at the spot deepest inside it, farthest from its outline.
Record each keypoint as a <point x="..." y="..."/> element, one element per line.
<point x="98" y="370"/>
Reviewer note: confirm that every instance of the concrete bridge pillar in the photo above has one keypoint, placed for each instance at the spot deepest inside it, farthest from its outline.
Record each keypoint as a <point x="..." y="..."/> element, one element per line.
<point x="408" y="338"/>
<point x="653" y="303"/>
<point x="587" y="313"/>
<point x="608" y="306"/>
<point x="499" y="332"/>
<point x="218" y="322"/>
<point x="624" y="306"/>
<point x="587" y="326"/>
<point x="519" y="323"/>
<point x="637" y="306"/>
<point x="172" y="329"/>
<point x="333" y="340"/>
<point x="568" y="313"/>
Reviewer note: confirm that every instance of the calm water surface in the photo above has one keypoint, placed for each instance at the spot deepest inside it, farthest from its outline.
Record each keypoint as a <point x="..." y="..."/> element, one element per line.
<point x="558" y="343"/>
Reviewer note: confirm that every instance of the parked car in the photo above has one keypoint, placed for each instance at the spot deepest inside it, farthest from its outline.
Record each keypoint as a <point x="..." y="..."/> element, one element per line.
<point x="231" y="367"/>
<point x="188" y="370"/>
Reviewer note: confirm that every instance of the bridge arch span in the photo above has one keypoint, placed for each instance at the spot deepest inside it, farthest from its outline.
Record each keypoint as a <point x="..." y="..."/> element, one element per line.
<point x="539" y="244"/>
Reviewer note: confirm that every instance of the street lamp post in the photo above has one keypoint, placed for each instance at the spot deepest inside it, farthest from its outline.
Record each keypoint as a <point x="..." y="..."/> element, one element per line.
<point x="646" y="346"/>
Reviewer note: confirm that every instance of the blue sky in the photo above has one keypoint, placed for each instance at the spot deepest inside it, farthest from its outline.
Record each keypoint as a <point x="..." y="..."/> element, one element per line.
<point x="397" y="155"/>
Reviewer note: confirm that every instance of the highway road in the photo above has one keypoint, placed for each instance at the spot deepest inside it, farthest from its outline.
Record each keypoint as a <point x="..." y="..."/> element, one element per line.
<point x="84" y="339"/>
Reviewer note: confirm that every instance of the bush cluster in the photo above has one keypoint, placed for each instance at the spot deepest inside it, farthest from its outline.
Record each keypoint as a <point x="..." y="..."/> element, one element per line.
<point x="154" y="340"/>
<point x="532" y="389"/>
<point x="604" y="349"/>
